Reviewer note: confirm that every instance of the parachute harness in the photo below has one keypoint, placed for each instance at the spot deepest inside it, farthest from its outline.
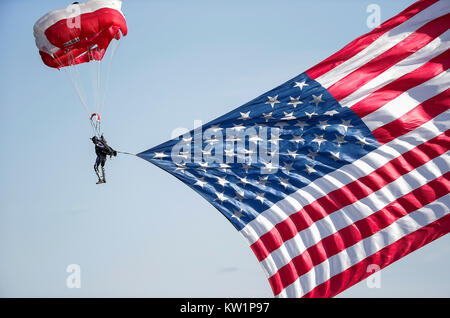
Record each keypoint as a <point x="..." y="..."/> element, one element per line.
<point x="96" y="123"/>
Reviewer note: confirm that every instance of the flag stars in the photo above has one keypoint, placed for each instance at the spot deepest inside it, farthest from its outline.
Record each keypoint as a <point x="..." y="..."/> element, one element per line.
<point x="243" y="180"/>
<point x="245" y="116"/>
<point x="220" y="197"/>
<point x="288" y="116"/>
<point x="293" y="153"/>
<point x="284" y="182"/>
<point x="287" y="167"/>
<point x="340" y="140"/>
<point x="295" y="101"/>
<point x="301" y="124"/>
<point x="210" y="140"/>
<point x="237" y="214"/>
<point x="223" y="167"/>
<point x="215" y="128"/>
<point x="203" y="165"/>
<point x="267" y="116"/>
<point x="312" y="154"/>
<point x="255" y="139"/>
<point x="307" y="138"/>
<point x="263" y="180"/>
<point x="184" y="155"/>
<point x="240" y="195"/>
<point x="187" y="140"/>
<point x="335" y="156"/>
<point x="275" y="138"/>
<point x="362" y="141"/>
<point x="160" y="155"/>
<point x="200" y="182"/>
<point x="269" y="167"/>
<point x="309" y="115"/>
<point x="260" y="197"/>
<point x="331" y="113"/>
<point x="246" y="166"/>
<point x="300" y="85"/>
<point x="229" y="152"/>
<point x="298" y="139"/>
<point x="180" y="168"/>
<point x="317" y="99"/>
<point x="310" y="169"/>
<point x="238" y="127"/>
<point x="273" y="100"/>
<point x="345" y="124"/>
<point x="323" y="124"/>
<point x="318" y="139"/>
<point x="207" y="152"/>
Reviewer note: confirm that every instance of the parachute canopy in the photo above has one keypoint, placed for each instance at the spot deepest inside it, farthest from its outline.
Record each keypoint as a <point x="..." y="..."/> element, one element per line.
<point x="79" y="33"/>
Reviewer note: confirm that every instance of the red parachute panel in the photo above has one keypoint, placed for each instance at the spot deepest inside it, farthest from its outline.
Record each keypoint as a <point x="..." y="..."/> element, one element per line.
<point x="85" y="41"/>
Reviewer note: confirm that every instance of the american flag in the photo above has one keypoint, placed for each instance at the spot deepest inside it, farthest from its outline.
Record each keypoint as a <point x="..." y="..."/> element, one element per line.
<point x="342" y="167"/>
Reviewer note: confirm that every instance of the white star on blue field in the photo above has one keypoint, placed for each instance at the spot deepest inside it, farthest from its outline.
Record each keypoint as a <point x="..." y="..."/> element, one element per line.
<point x="314" y="136"/>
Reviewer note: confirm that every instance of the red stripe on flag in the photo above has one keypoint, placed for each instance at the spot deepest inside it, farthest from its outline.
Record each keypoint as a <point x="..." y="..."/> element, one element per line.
<point x="364" y="41"/>
<point x="414" y="118"/>
<point x="358" y="231"/>
<point x="386" y="60"/>
<point x="391" y="91"/>
<point x="382" y="258"/>
<point x="349" y="194"/>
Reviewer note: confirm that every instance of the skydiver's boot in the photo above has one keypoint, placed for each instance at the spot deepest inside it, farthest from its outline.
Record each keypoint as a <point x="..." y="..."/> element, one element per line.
<point x="98" y="175"/>
<point x="103" y="174"/>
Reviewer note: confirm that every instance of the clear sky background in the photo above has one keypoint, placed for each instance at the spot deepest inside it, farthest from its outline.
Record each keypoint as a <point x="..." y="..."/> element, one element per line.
<point x="144" y="233"/>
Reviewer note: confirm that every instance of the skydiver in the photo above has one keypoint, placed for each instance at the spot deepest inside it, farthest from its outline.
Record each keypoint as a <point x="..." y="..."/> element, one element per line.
<point x="102" y="149"/>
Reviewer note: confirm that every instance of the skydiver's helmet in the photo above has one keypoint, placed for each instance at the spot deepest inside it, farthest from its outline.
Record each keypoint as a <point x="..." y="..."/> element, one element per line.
<point x="94" y="139"/>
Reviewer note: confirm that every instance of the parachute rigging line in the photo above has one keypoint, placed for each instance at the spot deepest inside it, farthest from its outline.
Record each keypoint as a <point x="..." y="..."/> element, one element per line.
<point x="73" y="81"/>
<point x="114" y="45"/>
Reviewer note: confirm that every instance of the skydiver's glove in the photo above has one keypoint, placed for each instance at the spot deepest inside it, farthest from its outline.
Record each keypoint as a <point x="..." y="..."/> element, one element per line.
<point x="114" y="153"/>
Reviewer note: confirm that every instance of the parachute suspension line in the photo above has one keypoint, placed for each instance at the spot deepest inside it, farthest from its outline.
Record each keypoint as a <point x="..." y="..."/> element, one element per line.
<point x="98" y="91"/>
<point x="78" y="79"/>
<point x="114" y="45"/>
<point x="75" y="86"/>
<point x="98" y="94"/>
<point x="94" y="125"/>
<point x="80" y="95"/>
<point x="95" y="80"/>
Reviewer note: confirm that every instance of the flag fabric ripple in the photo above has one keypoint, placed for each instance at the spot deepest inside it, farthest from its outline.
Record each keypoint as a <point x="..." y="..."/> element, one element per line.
<point x="361" y="175"/>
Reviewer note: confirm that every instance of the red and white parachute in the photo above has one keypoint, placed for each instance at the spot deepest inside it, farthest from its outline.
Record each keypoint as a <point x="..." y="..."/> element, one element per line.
<point x="78" y="34"/>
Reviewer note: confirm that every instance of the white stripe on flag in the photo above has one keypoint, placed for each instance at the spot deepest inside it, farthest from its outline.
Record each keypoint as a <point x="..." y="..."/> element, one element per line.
<point x="407" y="101"/>
<point x="357" y="211"/>
<point x="409" y="64"/>
<point x="369" y="246"/>
<point x="384" y="43"/>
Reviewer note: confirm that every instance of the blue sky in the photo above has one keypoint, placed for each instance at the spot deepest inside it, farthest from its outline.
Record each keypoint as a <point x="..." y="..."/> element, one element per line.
<point x="144" y="233"/>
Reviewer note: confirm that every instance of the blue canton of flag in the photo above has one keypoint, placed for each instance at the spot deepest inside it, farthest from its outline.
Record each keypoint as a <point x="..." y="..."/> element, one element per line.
<point x="316" y="135"/>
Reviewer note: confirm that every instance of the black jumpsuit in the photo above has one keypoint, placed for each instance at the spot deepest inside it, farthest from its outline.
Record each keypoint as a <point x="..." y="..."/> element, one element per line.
<point x="102" y="150"/>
